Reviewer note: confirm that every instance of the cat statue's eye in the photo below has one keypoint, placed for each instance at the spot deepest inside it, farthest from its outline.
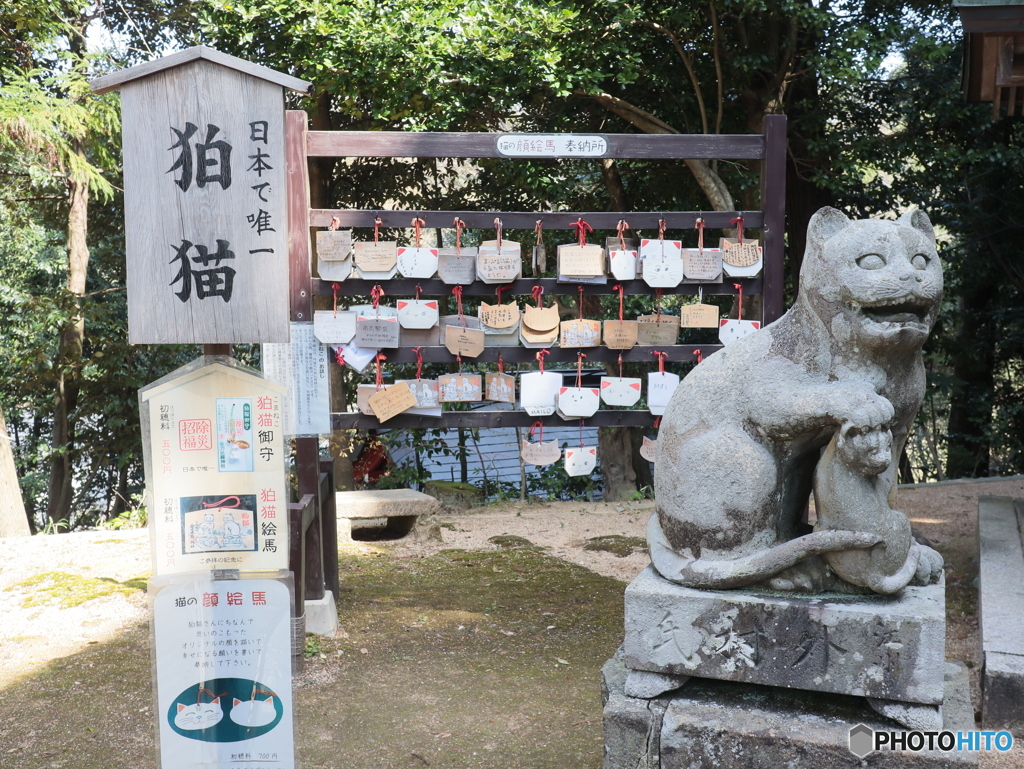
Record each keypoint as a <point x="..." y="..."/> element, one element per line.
<point x="871" y="262"/>
<point x="919" y="261"/>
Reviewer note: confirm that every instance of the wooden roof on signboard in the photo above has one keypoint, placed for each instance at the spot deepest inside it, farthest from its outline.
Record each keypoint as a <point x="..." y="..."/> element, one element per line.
<point x="117" y="79"/>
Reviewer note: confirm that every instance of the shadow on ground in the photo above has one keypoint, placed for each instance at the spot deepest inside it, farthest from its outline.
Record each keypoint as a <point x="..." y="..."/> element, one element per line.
<point x="461" y="660"/>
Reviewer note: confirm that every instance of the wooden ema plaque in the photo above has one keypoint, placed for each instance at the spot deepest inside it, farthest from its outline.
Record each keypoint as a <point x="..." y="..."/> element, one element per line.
<point x="698" y="316"/>
<point x="457" y="268"/>
<point x="392" y="401"/>
<point x="581" y="333"/>
<point x="620" y="334"/>
<point x="655" y="329"/>
<point x="334" y="245"/>
<point x="376" y="257"/>
<point x="581" y="261"/>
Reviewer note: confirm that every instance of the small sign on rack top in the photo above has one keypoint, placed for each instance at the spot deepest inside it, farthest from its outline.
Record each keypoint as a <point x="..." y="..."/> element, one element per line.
<point x="551" y="145"/>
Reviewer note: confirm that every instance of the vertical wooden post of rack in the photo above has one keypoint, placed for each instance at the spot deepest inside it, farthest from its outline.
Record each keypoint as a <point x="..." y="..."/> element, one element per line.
<point x="300" y="289"/>
<point x="773" y="204"/>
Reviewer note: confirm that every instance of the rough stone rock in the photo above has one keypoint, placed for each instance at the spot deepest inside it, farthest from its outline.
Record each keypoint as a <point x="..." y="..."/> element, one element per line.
<point x="1001" y="592"/>
<point x="887" y="647"/>
<point x="389" y="503"/>
<point x="645" y="684"/>
<point x="745" y="726"/>
<point x="743" y="433"/>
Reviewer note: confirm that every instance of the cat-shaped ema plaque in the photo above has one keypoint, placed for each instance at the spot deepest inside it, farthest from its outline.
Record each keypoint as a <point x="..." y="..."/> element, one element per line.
<point x="620" y="391"/>
<point x="741" y="260"/>
<point x="622" y="262"/>
<point x="457" y="268"/>
<point x="660" y="386"/>
<point x="460" y="388"/>
<point x="580" y="460"/>
<point x="494" y="265"/>
<point x="698" y="316"/>
<point x="580" y="333"/>
<point x="334" y="328"/>
<point x="577" y="402"/>
<point x="649" y="448"/>
<point x="658" y="329"/>
<point x="500" y="387"/>
<point x="661" y="262"/>
<point x="730" y="330"/>
<point x="539" y="326"/>
<point x="544" y="453"/>
<point x="537" y="391"/>
<point x="703" y="265"/>
<point x="417" y="262"/>
<point x="499" y="316"/>
<point x="417" y="313"/>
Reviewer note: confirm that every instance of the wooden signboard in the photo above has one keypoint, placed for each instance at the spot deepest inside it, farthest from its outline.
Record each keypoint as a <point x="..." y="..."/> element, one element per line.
<point x="205" y="199"/>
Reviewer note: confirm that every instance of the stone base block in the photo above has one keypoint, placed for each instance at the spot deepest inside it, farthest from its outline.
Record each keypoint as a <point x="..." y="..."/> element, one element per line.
<point x="887" y="647"/>
<point x="732" y="725"/>
<point x="322" y="615"/>
<point x="1002" y="692"/>
<point x="400" y="507"/>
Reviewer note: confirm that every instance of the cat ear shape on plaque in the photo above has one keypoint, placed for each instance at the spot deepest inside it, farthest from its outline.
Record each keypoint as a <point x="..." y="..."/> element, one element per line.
<point x="698" y="316"/>
<point x="620" y="391"/>
<point x="741" y="261"/>
<point x="428" y="398"/>
<point x="501" y="317"/>
<point x="457" y="268"/>
<point x="575" y="261"/>
<point x="546" y="453"/>
<point x="376" y="261"/>
<point x="539" y="326"/>
<point x="578" y="402"/>
<point x="500" y="387"/>
<point x="537" y="391"/>
<point x="661" y="262"/>
<point x="621" y="334"/>
<point x="460" y="388"/>
<point x="649" y="448"/>
<point x="377" y="331"/>
<point x="704" y="265"/>
<point x="417" y="313"/>
<point x="580" y="461"/>
<point x="658" y="329"/>
<point x="417" y="262"/>
<point x="622" y="263"/>
<point x="729" y="330"/>
<point x="660" y="387"/>
<point x="580" y="333"/>
<point x="334" y="328"/>
<point x="494" y="265"/>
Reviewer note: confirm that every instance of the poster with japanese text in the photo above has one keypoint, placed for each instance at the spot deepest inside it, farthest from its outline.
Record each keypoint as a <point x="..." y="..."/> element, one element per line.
<point x="302" y="367"/>
<point x="205" y="207"/>
<point x="222" y="653"/>
<point x="215" y="470"/>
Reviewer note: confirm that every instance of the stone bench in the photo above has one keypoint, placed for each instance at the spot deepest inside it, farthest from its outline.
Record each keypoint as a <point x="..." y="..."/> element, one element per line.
<point x="1001" y="609"/>
<point x="401" y="508"/>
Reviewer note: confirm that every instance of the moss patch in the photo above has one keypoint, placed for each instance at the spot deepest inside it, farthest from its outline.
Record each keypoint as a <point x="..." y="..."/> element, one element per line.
<point x="617" y="544"/>
<point x="68" y="590"/>
<point x="510" y="541"/>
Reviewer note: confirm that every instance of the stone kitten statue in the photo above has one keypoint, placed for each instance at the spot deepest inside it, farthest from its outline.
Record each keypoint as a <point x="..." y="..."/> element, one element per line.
<point x="744" y="432"/>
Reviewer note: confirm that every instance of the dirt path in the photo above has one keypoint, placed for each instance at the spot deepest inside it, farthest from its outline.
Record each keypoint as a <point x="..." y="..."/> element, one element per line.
<point x="488" y="658"/>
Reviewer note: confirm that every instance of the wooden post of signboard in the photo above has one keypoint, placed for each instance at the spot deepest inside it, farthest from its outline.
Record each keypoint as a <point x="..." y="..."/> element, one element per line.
<point x="204" y="189"/>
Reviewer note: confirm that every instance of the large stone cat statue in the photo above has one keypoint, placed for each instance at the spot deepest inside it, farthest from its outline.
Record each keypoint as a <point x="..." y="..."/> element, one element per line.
<point x="744" y="433"/>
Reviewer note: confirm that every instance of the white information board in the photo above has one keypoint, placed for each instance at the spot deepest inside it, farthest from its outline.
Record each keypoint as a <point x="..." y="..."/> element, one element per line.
<point x="302" y="367"/>
<point x="222" y="652"/>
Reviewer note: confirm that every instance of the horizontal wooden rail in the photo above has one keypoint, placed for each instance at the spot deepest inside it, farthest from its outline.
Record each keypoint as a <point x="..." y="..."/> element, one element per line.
<point x="404" y="144"/>
<point x="397" y="287"/>
<point x="484" y="418"/>
<point x="527" y="220"/>
<point x="642" y="353"/>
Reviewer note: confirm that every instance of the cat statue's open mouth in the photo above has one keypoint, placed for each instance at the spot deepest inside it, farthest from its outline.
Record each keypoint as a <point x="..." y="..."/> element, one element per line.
<point x="913" y="311"/>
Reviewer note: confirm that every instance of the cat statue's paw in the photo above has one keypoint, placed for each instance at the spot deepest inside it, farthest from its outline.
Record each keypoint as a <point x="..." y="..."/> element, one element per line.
<point x="809" y="576"/>
<point x="929" y="565"/>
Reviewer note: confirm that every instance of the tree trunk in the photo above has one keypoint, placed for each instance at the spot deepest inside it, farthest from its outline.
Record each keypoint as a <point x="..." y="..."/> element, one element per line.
<point x="614" y="446"/>
<point x="69" y="354"/>
<point x="13" y="521"/>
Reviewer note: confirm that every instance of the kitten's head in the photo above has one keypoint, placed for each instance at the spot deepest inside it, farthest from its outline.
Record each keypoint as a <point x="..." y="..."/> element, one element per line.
<point x="873" y="282"/>
<point x="202" y="715"/>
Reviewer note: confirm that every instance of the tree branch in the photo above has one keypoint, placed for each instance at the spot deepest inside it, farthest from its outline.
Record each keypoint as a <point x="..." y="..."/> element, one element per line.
<point x="718" y="68"/>
<point x="688" y="63"/>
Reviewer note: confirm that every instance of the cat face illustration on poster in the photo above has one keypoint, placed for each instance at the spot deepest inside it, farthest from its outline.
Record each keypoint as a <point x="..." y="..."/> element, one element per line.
<point x="730" y="330"/>
<point x="417" y="262"/>
<point x="620" y="391"/>
<point x="578" y="402"/>
<point x="417" y="313"/>
<point x="202" y="715"/>
<point x="580" y="461"/>
<point x="243" y="709"/>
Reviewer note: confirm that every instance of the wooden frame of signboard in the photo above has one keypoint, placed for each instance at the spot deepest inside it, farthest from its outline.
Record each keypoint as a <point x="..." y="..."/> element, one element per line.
<point x="301" y="144"/>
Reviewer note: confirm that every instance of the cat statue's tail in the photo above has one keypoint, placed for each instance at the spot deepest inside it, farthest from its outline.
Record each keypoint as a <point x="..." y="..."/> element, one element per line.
<point x="737" y="572"/>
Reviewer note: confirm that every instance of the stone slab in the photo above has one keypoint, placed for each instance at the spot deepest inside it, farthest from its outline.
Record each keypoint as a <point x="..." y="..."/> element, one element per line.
<point x="888" y="647"/>
<point x="1001" y="609"/>
<point x="384" y="504"/>
<point x="733" y="725"/>
<point x="322" y="615"/>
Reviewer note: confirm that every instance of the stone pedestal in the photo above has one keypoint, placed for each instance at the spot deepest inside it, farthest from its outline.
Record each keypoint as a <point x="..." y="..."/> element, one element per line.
<point x="885" y="647"/>
<point x="732" y="725"/>
<point x="401" y="508"/>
